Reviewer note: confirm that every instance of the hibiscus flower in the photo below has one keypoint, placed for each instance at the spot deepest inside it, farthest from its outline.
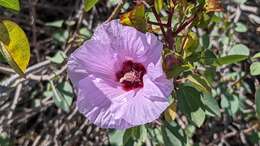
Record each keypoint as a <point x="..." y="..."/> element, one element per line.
<point x="118" y="77"/>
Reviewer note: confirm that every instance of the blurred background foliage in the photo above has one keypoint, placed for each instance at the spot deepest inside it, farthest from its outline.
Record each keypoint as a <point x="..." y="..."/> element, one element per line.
<point x="214" y="63"/>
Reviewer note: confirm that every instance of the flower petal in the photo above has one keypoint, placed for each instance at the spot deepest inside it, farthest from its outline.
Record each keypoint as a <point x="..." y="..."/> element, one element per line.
<point x="129" y="43"/>
<point x="95" y="59"/>
<point x="97" y="106"/>
<point x="147" y="105"/>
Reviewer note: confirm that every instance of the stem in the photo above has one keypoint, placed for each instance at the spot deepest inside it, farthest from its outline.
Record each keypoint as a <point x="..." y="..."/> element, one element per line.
<point x="170" y="37"/>
<point x="159" y="23"/>
<point x="184" y="25"/>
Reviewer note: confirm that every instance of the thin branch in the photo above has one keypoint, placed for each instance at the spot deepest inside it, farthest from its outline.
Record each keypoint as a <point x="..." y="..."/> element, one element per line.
<point x="116" y="10"/>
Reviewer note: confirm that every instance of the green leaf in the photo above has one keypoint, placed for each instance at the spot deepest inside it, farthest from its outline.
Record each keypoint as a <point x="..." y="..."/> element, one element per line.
<point x="173" y="135"/>
<point x="2" y="58"/>
<point x="135" y="136"/>
<point x="190" y="104"/>
<point x="177" y="70"/>
<point x="199" y="82"/>
<point x="14" y="46"/>
<point x="257" y="55"/>
<point x="240" y="1"/>
<point x="191" y="42"/>
<point x="239" y="49"/>
<point x="211" y="105"/>
<point x="257" y="101"/>
<point x="208" y="57"/>
<point x="116" y="138"/>
<point x="57" y="23"/>
<point x="240" y="27"/>
<point x="58" y="58"/>
<point x="254" y="137"/>
<point x="5" y="140"/>
<point x="10" y="4"/>
<point x="62" y="95"/>
<point x="89" y="4"/>
<point x="230" y="59"/>
<point x="255" y="69"/>
<point x="230" y="103"/>
<point x="158" y="4"/>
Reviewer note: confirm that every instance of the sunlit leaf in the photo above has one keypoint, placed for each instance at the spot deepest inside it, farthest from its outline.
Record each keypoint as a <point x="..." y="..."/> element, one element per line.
<point x="240" y="1"/>
<point x="199" y="82"/>
<point x="213" y="6"/>
<point x="135" y="18"/>
<point x="158" y="4"/>
<point x="239" y="49"/>
<point x="11" y="4"/>
<point x="170" y="112"/>
<point x="230" y="59"/>
<point x="257" y="55"/>
<point x="116" y="137"/>
<point x="14" y="46"/>
<point x="57" y="23"/>
<point x="89" y="4"/>
<point x="240" y="27"/>
<point x="255" y="69"/>
<point x="190" y="43"/>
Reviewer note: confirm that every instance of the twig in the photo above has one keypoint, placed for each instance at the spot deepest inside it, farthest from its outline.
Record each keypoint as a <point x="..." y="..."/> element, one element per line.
<point x="116" y="10"/>
<point x="46" y="77"/>
<point x="15" y="101"/>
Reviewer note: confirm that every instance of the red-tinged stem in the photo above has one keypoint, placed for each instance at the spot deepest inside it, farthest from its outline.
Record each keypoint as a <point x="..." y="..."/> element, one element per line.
<point x="184" y="25"/>
<point x="160" y="23"/>
<point x="169" y="30"/>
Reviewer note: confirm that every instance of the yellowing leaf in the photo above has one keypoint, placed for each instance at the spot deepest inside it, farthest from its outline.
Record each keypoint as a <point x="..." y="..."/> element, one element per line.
<point x="190" y="43"/>
<point x="89" y="4"/>
<point x="158" y="4"/>
<point x="170" y="113"/>
<point x="200" y="83"/>
<point x="135" y="18"/>
<point x="213" y="6"/>
<point x="14" y="46"/>
<point x="10" y="4"/>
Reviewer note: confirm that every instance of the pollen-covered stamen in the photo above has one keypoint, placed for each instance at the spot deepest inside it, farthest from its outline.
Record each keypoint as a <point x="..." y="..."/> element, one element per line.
<point x="131" y="75"/>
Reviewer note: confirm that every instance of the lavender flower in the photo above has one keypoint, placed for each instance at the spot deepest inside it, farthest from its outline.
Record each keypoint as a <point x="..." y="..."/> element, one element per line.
<point x="118" y="77"/>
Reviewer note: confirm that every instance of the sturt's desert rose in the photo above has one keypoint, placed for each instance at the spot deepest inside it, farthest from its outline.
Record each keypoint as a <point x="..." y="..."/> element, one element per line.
<point x="118" y="77"/>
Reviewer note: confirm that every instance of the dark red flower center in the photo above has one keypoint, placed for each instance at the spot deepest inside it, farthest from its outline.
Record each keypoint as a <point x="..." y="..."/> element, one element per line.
<point x="131" y="75"/>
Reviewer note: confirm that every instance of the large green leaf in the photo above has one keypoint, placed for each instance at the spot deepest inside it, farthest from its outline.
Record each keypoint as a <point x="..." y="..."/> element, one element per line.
<point x="10" y="4"/>
<point x="230" y="59"/>
<point x="211" y="105"/>
<point x="173" y="135"/>
<point x="190" y="104"/>
<point x="237" y="53"/>
<point x="62" y="95"/>
<point x="89" y="4"/>
<point x="14" y="46"/>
